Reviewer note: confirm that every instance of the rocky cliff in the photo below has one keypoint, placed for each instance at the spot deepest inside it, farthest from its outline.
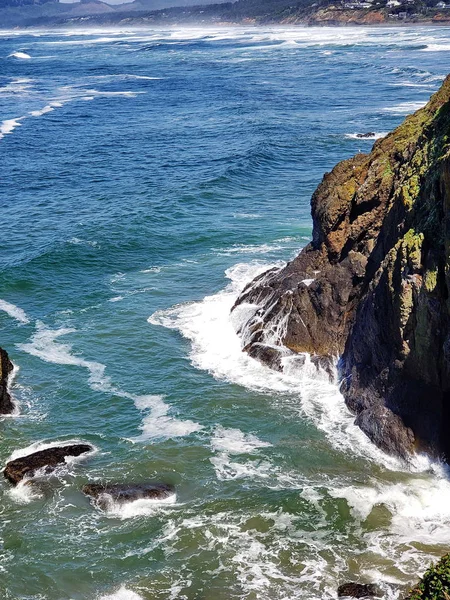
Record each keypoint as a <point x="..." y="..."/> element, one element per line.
<point x="373" y="286"/>
<point x="6" y="405"/>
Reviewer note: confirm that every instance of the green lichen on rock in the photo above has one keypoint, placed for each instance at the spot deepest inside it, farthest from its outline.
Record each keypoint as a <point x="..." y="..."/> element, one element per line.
<point x="411" y="248"/>
<point x="435" y="584"/>
<point x="430" y="280"/>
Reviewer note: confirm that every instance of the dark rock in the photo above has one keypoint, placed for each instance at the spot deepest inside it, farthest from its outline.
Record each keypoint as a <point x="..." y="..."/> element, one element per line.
<point x="373" y="285"/>
<point x="105" y="494"/>
<point x="357" y="590"/>
<point x="386" y="430"/>
<point x="6" y="366"/>
<point x="369" y="134"/>
<point x="48" y="460"/>
<point x="269" y="355"/>
<point x="324" y="364"/>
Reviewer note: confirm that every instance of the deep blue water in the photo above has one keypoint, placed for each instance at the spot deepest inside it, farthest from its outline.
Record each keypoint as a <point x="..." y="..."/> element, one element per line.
<point x="146" y="177"/>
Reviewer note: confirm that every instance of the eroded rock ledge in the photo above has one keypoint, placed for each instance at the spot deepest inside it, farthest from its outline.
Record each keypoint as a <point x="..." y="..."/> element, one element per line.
<point x="373" y="286"/>
<point x="6" y="367"/>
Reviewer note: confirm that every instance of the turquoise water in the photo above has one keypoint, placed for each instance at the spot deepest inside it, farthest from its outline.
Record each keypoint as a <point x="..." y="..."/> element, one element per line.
<point x="147" y="176"/>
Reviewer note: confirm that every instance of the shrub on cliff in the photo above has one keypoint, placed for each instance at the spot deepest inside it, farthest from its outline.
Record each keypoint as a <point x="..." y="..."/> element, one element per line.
<point x="435" y="584"/>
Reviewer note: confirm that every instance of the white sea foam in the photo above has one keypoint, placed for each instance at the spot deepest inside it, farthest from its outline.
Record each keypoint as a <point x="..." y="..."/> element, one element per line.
<point x="14" y="311"/>
<point x="121" y="594"/>
<point x="9" y="125"/>
<point x="158" y="423"/>
<point x="377" y="135"/>
<point x="19" y="55"/>
<point x="228" y="442"/>
<point x="234" y="441"/>
<point x="48" y="108"/>
<point x="437" y="48"/>
<point x="45" y="346"/>
<point x="248" y="249"/>
<point x="247" y="216"/>
<point x="143" y="507"/>
<point x="405" y="108"/>
<point x="105" y="94"/>
<point x="24" y="492"/>
<point x="77" y="241"/>
<point x="17" y="86"/>
<point x="419" y="507"/>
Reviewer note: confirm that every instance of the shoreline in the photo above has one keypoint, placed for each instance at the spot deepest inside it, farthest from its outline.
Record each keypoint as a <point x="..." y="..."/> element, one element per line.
<point x="222" y="24"/>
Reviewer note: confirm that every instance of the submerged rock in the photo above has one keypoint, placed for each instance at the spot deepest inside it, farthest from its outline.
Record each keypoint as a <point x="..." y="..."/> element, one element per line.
<point x="369" y="134"/>
<point x="373" y="286"/>
<point x="6" y="367"/>
<point x="357" y="590"/>
<point x="121" y="493"/>
<point x="47" y="460"/>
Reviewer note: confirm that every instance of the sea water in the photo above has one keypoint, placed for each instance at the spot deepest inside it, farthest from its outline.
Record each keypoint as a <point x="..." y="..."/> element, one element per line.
<point x="147" y="175"/>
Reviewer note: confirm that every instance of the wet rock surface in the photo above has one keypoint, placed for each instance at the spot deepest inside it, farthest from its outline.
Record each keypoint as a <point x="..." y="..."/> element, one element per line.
<point x="357" y="590"/>
<point x="121" y="493"/>
<point x="46" y="460"/>
<point x="373" y="285"/>
<point x="6" y="367"/>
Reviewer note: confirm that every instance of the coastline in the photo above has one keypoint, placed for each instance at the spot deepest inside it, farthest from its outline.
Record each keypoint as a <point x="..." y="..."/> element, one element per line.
<point x="192" y="17"/>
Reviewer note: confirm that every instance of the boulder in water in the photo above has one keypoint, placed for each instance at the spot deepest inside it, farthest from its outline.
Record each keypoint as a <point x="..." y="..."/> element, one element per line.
<point x="369" y="134"/>
<point x="6" y="366"/>
<point x="121" y="493"/>
<point x="357" y="590"/>
<point x="48" y="460"/>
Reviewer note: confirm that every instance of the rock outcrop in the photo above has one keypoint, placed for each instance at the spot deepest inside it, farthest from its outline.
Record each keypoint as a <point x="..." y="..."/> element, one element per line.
<point x="357" y="590"/>
<point x="105" y="495"/>
<point x="373" y="285"/>
<point x="45" y="461"/>
<point x="6" y="366"/>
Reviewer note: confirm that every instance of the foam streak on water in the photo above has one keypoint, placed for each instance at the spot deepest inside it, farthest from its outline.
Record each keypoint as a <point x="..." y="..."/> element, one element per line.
<point x="157" y="422"/>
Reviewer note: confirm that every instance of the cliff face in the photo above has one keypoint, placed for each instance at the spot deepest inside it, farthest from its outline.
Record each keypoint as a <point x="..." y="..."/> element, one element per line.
<point x="373" y="285"/>
<point x="6" y="366"/>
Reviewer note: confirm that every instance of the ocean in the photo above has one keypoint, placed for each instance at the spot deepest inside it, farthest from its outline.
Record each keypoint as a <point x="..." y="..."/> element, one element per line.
<point x="148" y="175"/>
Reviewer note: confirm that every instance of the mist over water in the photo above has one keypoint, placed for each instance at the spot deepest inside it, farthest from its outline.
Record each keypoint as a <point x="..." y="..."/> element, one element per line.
<point x="147" y="177"/>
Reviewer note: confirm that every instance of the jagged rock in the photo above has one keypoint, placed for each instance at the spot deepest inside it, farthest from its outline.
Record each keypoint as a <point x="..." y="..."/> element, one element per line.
<point x="6" y="366"/>
<point x="105" y="494"/>
<point x="269" y="355"/>
<point x="369" y="134"/>
<point x="357" y="590"/>
<point x="373" y="285"/>
<point x="48" y="460"/>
